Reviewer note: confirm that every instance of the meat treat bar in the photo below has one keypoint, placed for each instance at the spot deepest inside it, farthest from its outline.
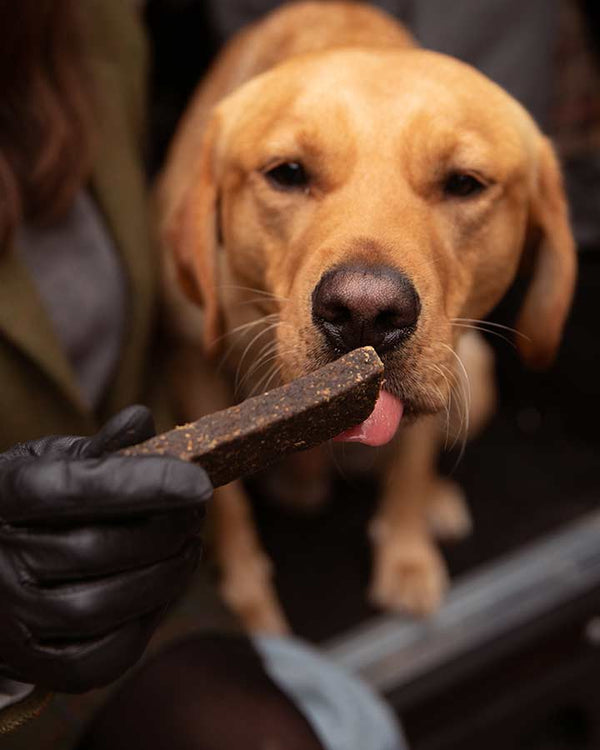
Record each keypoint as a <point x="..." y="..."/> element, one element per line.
<point x="254" y="434"/>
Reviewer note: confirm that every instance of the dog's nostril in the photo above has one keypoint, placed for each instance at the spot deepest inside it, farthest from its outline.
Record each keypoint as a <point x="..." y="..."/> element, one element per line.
<point x="336" y="314"/>
<point x="358" y="305"/>
<point x="390" y="319"/>
<point x="405" y="315"/>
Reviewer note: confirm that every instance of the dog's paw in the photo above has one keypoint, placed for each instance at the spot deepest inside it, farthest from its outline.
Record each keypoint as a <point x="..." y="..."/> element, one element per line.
<point x="248" y="590"/>
<point x="447" y="511"/>
<point x="409" y="574"/>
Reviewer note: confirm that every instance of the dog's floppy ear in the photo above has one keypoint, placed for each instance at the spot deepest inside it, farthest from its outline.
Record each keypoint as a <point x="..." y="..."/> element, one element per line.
<point x="192" y="237"/>
<point x="549" y="296"/>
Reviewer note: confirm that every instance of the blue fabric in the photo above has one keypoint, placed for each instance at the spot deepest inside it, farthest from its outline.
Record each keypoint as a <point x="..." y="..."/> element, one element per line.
<point x="344" y="712"/>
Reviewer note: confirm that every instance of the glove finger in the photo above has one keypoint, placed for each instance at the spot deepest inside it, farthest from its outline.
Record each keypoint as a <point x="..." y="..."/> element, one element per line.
<point x="59" y="491"/>
<point x="49" y="446"/>
<point x="86" y="610"/>
<point x="78" y="667"/>
<point x="78" y="553"/>
<point x="130" y="426"/>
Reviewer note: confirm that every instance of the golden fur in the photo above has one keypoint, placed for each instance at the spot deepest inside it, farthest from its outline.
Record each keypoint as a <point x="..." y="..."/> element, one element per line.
<point x="379" y="125"/>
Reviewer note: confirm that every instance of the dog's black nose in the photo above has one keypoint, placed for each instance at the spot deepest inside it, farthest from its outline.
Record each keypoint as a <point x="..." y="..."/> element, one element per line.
<point x="360" y="305"/>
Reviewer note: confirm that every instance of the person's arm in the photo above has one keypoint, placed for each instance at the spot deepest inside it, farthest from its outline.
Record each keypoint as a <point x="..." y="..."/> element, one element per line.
<point x="94" y="547"/>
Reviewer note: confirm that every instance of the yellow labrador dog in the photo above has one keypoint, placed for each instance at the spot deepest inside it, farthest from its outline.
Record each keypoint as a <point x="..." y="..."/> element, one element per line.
<point x="332" y="185"/>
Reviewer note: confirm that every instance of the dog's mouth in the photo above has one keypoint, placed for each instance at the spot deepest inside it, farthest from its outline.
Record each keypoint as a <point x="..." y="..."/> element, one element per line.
<point x="380" y="427"/>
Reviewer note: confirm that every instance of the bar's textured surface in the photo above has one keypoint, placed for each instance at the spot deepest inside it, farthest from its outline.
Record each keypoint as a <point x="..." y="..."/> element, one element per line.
<point x="259" y="431"/>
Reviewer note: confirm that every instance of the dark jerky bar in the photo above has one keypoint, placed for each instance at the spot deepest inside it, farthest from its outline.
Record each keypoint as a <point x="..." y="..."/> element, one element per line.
<point x="254" y="434"/>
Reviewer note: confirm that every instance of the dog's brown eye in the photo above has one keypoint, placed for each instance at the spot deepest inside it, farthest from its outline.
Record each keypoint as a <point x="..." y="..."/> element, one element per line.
<point x="461" y="185"/>
<point x="288" y="176"/>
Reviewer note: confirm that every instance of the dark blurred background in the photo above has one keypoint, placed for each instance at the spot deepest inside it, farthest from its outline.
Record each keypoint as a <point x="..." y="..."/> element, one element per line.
<point x="537" y="466"/>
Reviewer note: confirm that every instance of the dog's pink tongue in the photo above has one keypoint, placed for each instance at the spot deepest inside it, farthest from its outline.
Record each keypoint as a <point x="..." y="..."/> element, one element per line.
<point x="380" y="427"/>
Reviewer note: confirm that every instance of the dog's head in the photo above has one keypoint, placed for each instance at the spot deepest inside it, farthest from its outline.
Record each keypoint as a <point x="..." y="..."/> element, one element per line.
<point x="385" y="198"/>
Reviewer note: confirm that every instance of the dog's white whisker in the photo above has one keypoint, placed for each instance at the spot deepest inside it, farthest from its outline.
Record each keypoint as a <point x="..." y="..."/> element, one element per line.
<point x="447" y="402"/>
<point x="246" y="327"/>
<point x="454" y="397"/>
<point x="457" y="394"/>
<point x="238" y="329"/>
<point x="266" y="351"/>
<point x="467" y="402"/>
<point x="263" y="354"/>
<point x="259" y="335"/>
<point x="251" y="323"/>
<point x="492" y="325"/>
<point x="485" y="330"/>
<point x="266" y="355"/>
<point x="272" y="351"/>
<point x="462" y="368"/>
<point x="256" y="301"/>
<point x="448" y="418"/>
<point x="463" y="389"/>
<point x="257" y="388"/>
<point x="262" y="292"/>
<point x="275" y="372"/>
<point x="271" y="373"/>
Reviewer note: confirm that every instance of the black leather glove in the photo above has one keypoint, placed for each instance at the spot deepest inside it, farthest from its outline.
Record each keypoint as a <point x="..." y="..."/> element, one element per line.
<point x="93" y="549"/>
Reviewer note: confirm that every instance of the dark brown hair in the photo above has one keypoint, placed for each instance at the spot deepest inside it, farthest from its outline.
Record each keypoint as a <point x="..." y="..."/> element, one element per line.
<point x="45" y="111"/>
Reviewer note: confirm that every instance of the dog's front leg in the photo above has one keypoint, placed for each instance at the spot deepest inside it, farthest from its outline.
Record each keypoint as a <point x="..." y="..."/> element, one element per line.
<point x="245" y="569"/>
<point x="409" y="573"/>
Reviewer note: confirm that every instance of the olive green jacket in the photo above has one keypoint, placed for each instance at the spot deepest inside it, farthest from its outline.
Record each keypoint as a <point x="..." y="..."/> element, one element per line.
<point x="38" y="391"/>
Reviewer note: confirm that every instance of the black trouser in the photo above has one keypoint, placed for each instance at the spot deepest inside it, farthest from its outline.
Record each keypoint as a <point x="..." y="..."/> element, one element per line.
<point x="206" y="693"/>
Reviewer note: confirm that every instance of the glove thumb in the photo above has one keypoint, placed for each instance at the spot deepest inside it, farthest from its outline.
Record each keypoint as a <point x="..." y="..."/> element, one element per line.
<point x="130" y="426"/>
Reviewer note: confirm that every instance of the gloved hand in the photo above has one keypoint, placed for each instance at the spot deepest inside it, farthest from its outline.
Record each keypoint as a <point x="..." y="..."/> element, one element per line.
<point x="94" y="548"/>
